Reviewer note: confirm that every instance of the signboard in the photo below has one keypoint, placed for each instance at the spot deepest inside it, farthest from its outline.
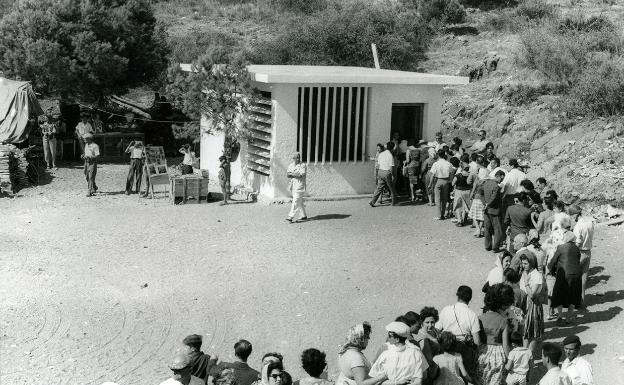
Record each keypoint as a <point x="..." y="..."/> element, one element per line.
<point x="155" y="160"/>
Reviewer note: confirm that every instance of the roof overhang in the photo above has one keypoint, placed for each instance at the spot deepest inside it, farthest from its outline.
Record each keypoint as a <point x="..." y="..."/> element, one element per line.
<point x="295" y="74"/>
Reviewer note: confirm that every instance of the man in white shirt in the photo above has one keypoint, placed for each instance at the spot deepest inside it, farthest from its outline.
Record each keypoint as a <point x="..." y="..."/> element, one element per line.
<point x="577" y="368"/>
<point x="510" y="187"/>
<point x="441" y="183"/>
<point x="384" y="175"/>
<point x="439" y="143"/>
<point x="83" y="128"/>
<point x="479" y="145"/>
<point x="551" y="354"/>
<point x="460" y="320"/>
<point x="399" y="362"/>
<point x="584" y="231"/>
<point x="90" y="155"/>
<point x="494" y="166"/>
<point x="297" y="174"/>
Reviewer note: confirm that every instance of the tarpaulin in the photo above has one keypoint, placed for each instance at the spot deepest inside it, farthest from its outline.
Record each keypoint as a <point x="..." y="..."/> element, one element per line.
<point x="17" y="103"/>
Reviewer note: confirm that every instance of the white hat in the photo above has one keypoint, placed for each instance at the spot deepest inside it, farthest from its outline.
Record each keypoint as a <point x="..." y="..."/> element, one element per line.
<point x="399" y="328"/>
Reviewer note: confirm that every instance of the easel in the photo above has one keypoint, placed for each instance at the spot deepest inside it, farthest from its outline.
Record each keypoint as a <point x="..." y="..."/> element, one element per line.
<point x="156" y="169"/>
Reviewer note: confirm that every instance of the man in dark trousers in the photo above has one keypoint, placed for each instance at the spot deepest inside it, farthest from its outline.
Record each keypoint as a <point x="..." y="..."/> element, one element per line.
<point x="492" y="222"/>
<point x="384" y="176"/>
<point x="201" y="363"/>
<point x="244" y="374"/>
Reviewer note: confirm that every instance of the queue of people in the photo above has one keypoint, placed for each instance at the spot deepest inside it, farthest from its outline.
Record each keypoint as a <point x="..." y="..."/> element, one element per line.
<point x="455" y="346"/>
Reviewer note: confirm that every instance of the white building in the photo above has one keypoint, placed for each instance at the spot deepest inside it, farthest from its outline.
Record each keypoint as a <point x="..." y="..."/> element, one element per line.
<point x="333" y="116"/>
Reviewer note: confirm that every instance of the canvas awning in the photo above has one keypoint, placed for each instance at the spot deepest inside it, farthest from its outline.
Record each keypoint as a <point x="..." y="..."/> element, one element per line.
<point x="17" y="103"/>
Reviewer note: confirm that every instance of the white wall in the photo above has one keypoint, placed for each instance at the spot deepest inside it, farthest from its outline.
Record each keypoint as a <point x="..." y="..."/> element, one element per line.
<point x="338" y="178"/>
<point x="211" y="148"/>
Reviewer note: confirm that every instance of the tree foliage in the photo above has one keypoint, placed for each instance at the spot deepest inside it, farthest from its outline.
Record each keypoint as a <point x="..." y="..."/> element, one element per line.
<point x="83" y="48"/>
<point x="220" y="92"/>
<point x="342" y="35"/>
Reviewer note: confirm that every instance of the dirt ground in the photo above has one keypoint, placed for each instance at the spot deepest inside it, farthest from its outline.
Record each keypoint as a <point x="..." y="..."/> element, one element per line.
<point x="105" y="288"/>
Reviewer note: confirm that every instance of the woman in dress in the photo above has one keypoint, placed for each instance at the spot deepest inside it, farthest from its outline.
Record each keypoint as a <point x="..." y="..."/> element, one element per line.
<point x="354" y="366"/>
<point x="452" y="370"/>
<point x="463" y="190"/>
<point x="543" y="224"/>
<point x="412" y="163"/>
<point x="557" y="237"/>
<point x="493" y="354"/>
<point x="566" y="267"/>
<point x="532" y="283"/>
<point x="477" y="207"/>
<point x="427" y="176"/>
<point x="427" y="336"/>
<point x="189" y="158"/>
<point x="515" y="312"/>
<point x="502" y="262"/>
<point x="535" y="247"/>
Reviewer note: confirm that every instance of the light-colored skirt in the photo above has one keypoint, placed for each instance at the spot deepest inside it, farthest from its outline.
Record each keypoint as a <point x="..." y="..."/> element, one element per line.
<point x="462" y="200"/>
<point x="476" y="210"/>
<point x="491" y="362"/>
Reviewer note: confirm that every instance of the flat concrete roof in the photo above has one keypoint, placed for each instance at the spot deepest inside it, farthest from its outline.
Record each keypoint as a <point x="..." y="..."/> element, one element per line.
<point x="346" y="75"/>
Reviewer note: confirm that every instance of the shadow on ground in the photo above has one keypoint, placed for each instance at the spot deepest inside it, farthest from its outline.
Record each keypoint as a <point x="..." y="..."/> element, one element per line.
<point x="328" y="216"/>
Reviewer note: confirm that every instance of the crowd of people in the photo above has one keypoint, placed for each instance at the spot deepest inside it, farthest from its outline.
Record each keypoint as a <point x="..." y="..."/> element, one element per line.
<point x="454" y="346"/>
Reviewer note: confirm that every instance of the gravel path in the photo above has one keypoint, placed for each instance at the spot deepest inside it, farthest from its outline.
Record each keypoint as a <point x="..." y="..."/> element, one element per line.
<point x="73" y="270"/>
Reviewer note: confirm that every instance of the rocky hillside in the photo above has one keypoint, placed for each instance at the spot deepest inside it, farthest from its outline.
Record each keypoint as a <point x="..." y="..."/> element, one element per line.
<point x="581" y="157"/>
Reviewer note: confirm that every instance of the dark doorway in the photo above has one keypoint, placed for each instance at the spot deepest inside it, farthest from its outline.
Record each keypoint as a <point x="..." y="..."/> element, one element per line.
<point x="407" y="120"/>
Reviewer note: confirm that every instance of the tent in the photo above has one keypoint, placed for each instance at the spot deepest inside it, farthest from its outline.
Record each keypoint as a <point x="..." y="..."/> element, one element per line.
<point x="17" y="103"/>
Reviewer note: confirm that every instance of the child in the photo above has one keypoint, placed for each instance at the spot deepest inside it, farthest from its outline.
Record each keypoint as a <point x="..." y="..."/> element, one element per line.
<point x="452" y="370"/>
<point x="519" y="361"/>
<point x="136" y="151"/>
<point x="224" y="178"/>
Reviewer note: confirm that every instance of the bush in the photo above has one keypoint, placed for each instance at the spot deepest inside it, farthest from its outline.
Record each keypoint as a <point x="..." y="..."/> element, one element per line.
<point x="600" y="90"/>
<point x="536" y="9"/>
<point x="83" y="48"/>
<point x="501" y="20"/>
<point x="188" y="48"/>
<point x="489" y="4"/>
<point x="561" y="53"/>
<point x="525" y="93"/>
<point x="342" y="35"/>
<point x="597" y="32"/>
<point x="446" y="11"/>
<point x="301" y="6"/>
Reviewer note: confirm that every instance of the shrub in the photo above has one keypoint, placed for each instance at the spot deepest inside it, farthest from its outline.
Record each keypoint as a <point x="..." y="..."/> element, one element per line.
<point x="600" y="90"/>
<point x="597" y="32"/>
<point x="501" y="20"/>
<point x="342" y="35"/>
<point x="188" y="48"/>
<point x="301" y="6"/>
<point x="446" y="11"/>
<point x="84" y="48"/>
<point x="489" y="4"/>
<point x="536" y="9"/>
<point x="519" y="94"/>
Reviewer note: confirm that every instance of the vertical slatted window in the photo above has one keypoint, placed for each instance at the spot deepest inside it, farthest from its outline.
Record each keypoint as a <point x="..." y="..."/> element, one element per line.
<point x="332" y="124"/>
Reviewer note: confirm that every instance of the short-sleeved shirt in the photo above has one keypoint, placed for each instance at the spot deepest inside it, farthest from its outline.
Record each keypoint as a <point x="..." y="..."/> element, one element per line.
<point x="136" y="152"/>
<point x="83" y="128"/>
<point x="352" y="359"/>
<point x="194" y="381"/>
<point x="511" y="183"/>
<point x="91" y="150"/>
<point x="584" y="231"/>
<point x="400" y="364"/>
<point x="494" y="325"/>
<point x="441" y="169"/>
<point x="555" y="376"/>
<point x="521" y="358"/>
<point x="579" y="371"/>
<point x="458" y="319"/>
<point x="48" y="129"/>
<point x="299" y="179"/>
<point x="532" y="279"/>
<point x="385" y="160"/>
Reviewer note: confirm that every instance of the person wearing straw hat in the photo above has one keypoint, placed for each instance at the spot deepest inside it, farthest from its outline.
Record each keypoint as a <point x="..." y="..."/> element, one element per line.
<point x="48" y="136"/>
<point x="296" y="172"/>
<point x="90" y="155"/>
<point x="401" y="363"/>
<point x="181" y="368"/>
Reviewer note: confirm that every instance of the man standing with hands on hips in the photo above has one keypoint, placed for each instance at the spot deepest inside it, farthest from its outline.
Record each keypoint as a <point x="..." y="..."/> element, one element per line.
<point x="90" y="156"/>
<point x="384" y="175"/>
<point x="297" y="174"/>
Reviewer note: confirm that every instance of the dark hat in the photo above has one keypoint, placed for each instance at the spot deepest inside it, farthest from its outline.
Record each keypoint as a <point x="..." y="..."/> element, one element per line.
<point x="571" y="340"/>
<point x="194" y="340"/>
<point x="513" y="162"/>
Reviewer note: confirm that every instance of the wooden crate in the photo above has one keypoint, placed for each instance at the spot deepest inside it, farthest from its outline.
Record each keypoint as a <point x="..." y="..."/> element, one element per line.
<point x="188" y="186"/>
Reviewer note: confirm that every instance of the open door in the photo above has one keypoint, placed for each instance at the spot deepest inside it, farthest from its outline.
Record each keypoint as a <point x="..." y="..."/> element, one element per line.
<point x="407" y="120"/>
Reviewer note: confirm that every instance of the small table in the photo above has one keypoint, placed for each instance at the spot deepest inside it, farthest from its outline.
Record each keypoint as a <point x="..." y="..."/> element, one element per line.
<point x="183" y="186"/>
